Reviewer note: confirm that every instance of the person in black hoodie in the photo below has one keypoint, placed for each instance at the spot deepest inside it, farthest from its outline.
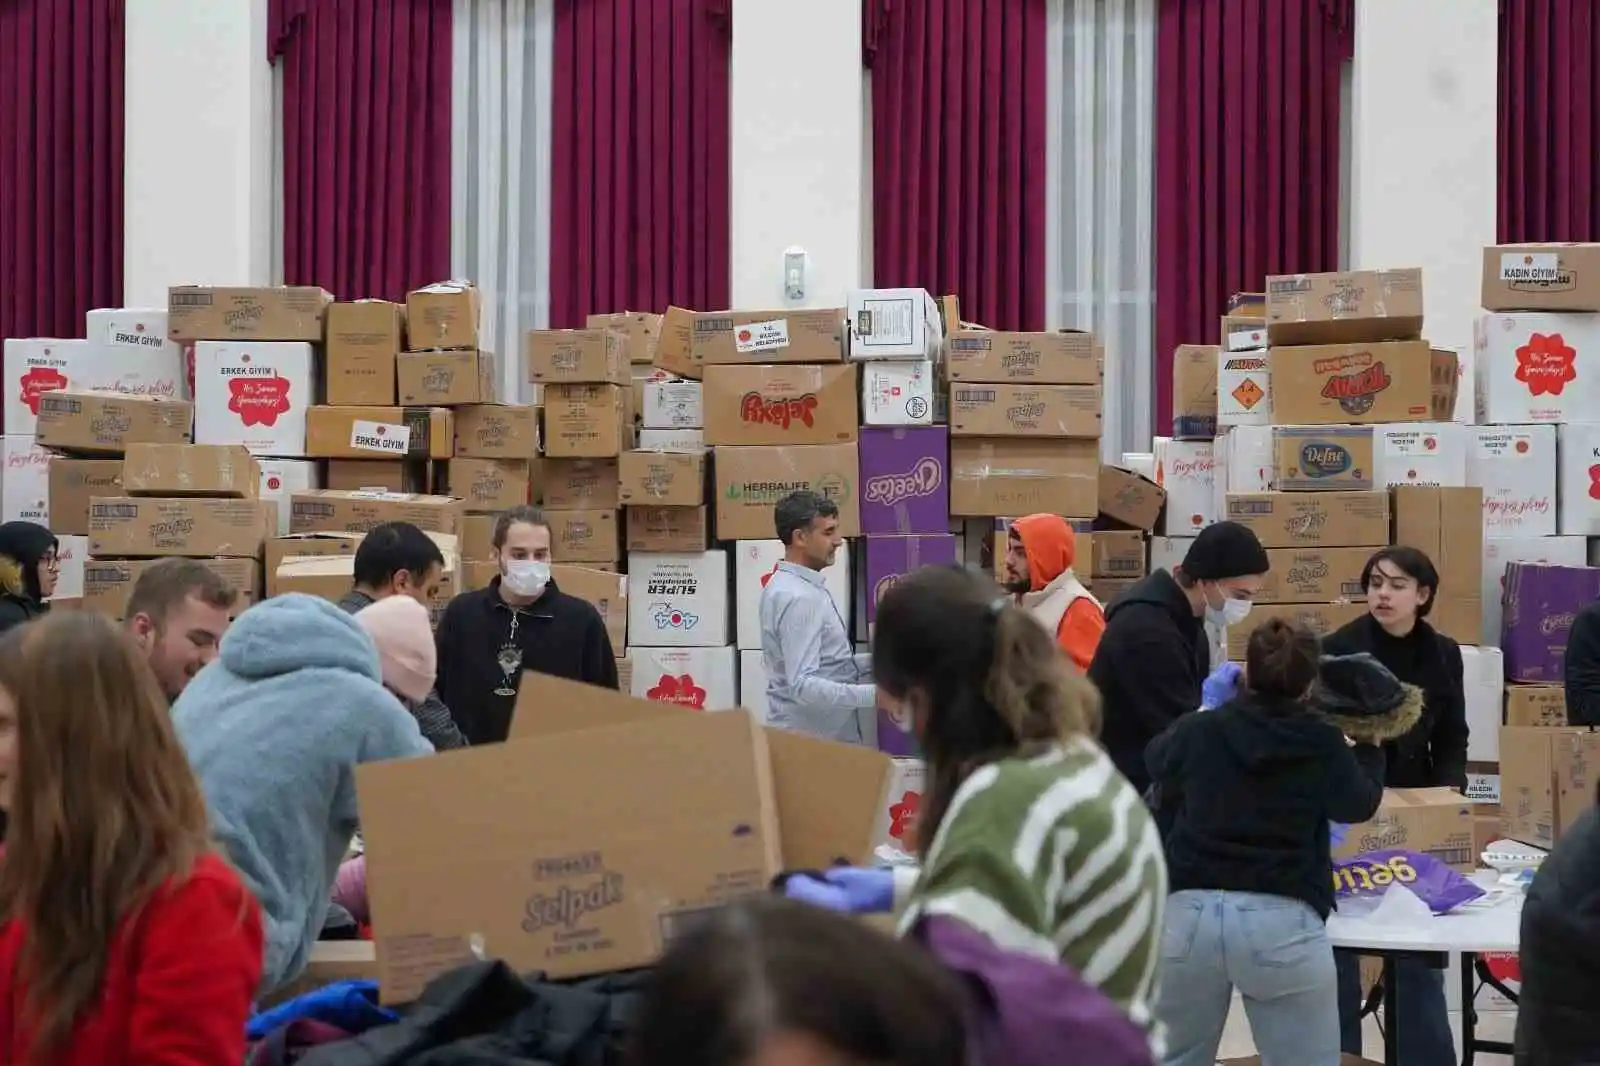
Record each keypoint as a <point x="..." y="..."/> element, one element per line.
<point x="1401" y="585"/>
<point x="487" y="638"/>
<point x="1245" y="794"/>
<point x="28" y="572"/>
<point x="1581" y="667"/>
<point x="1154" y="653"/>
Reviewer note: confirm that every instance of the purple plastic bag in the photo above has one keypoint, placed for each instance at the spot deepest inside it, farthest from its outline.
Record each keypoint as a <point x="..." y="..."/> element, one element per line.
<point x="1369" y="876"/>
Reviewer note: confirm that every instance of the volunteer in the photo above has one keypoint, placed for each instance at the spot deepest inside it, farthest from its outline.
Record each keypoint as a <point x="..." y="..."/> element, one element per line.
<point x="816" y="683"/>
<point x="1040" y="552"/>
<point x="1154" y="654"/>
<point x="1581" y="667"/>
<point x="521" y="621"/>
<point x="176" y="614"/>
<point x="125" y="939"/>
<point x="1246" y="793"/>
<point x="1401" y="585"/>
<point x="274" y="730"/>
<point x="29" y="568"/>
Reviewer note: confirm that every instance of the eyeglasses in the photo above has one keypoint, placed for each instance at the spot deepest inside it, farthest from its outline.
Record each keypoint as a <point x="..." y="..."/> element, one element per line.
<point x="51" y="562"/>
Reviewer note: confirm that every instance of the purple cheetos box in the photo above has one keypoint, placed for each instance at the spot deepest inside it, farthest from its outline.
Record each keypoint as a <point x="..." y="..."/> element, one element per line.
<point x="905" y="482"/>
<point x="888" y="559"/>
<point x="1540" y="603"/>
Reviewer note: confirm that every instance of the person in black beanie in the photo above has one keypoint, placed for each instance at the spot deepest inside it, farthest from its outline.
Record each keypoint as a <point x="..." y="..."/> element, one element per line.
<point x="1154" y="653"/>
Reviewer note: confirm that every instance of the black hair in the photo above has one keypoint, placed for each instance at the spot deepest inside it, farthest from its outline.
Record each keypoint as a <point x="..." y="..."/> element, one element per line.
<point x="796" y="511"/>
<point x="1412" y="562"/>
<point x="26" y="544"/>
<point x="754" y="969"/>
<point x="390" y="547"/>
<point x="1281" y="659"/>
<point x="994" y="681"/>
<point x="525" y="514"/>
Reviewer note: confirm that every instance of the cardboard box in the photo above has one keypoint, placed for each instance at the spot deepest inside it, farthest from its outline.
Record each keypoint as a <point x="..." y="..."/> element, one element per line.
<point x="668" y="529"/>
<point x="576" y="356"/>
<point x="35" y="366"/>
<point x="755" y="561"/>
<point x="905" y="488"/>
<point x="672" y="404"/>
<point x="146" y="526"/>
<point x="1419" y="453"/>
<point x="281" y="479"/>
<point x="1446" y="368"/>
<point x="586" y="536"/>
<point x="1315" y="575"/>
<point x="1065" y="357"/>
<point x="585" y="421"/>
<point x="477" y="537"/>
<point x="1019" y="477"/>
<point x="379" y="433"/>
<point x="304" y="546"/>
<point x="1320" y="618"/>
<point x="1516" y="468"/>
<point x="365" y="339"/>
<point x="1244" y="389"/>
<point x="108" y="422"/>
<point x="443" y="315"/>
<point x="387" y="475"/>
<point x="1535" y="706"/>
<point x="672" y="440"/>
<point x="339" y="511"/>
<point x="894" y="324"/>
<point x="678" y="600"/>
<point x="72" y="482"/>
<point x="607" y="592"/>
<point x="447" y="378"/>
<point x="489" y="484"/>
<point x="1432" y="821"/>
<point x="1186" y="471"/>
<point x="332" y="576"/>
<point x="282" y="313"/>
<point x="639" y="331"/>
<point x="897" y="393"/>
<point x="1115" y="553"/>
<point x="1194" y="391"/>
<point x="1322" y="458"/>
<point x="1129" y="499"/>
<point x="1538" y="609"/>
<point x="496" y="431"/>
<point x="24" y="481"/>
<point x="1443" y="522"/>
<point x="255" y="394"/>
<point x="661" y="479"/>
<point x="1541" y="277"/>
<point x="1536" y="367"/>
<point x="1344" y="307"/>
<point x="787" y="335"/>
<point x="1107" y="589"/>
<point x="1332" y="384"/>
<point x="1546" y="781"/>
<point x="782" y="404"/>
<point x="582" y="484"/>
<point x="1312" y="519"/>
<point x="699" y="679"/>
<point x="1025" y="411"/>
<point x="107" y="583"/>
<point x="751" y="481"/>
<point x="888" y="559"/>
<point x="190" y="470"/>
<point x="1578" y="467"/>
<point x="1500" y="551"/>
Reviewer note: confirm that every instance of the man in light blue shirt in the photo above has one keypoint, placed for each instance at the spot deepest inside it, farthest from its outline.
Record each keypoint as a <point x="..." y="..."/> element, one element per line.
<point x="815" y="683"/>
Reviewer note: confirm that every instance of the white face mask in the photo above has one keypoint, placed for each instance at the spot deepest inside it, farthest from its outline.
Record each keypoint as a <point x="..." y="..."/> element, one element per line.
<point x="525" y="577"/>
<point x="1231" y="613"/>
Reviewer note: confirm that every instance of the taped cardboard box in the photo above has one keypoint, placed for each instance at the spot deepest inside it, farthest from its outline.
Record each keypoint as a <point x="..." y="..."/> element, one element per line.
<point x="1320" y="618"/>
<point x="1547" y="780"/>
<point x="1304" y="519"/>
<point x="106" y="423"/>
<point x="1315" y="575"/>
<point x="782" y="404"/>
<point x="496" y="431"/>
<point x="997" y="410"/>
<point x="365" y="339"/>
<point x="304" y="546"/>
<point x="107" y="583"/>
<point x="1194" y="391"/>
<point x="639" y="330"/>
<point x="1344" y="307"/>
<point x="606" y="591"/>
<point x="72" y="482"/>
<point x="446" y="314"/>
<point x="331" y="577"/>
<point x="1001" y="476"/>
<point x="1432" y="821"/>
<point x="1130" y="499"/>
<point x="576" y="356"/>
<point x="190" y="470"/>
<point x="1063" y="357"/>
<point x="1447" y="524"/>
<point x="581" y="484"/>
<point x="142" y="527"/>
<point x="1333" y="384"/>
<point x="379" y="432"/>
<point x="751" y="480"/>
<point x="278" y="313"/>
<point x="1538" y="706"/>
<point x="340" y="511"/>
<point x="447" y="379"/>
<point x="1541" y="277"/>
<point x="586" y="421"/>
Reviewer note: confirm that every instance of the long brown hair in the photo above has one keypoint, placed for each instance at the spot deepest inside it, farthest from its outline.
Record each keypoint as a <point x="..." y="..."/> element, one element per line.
<point x="104" y="811"/>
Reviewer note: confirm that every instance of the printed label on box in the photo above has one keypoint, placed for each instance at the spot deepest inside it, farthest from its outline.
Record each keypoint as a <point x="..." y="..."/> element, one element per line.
<point x="385" y="438"/>
<point x="1529" y="266"/>
<point x="762" y="336"/>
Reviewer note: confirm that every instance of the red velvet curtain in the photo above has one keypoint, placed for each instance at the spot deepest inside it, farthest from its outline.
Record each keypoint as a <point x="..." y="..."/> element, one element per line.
<point x="1549" y="120"/>
<point x="366" y="143"/>
<point x="958" y="167"/>
<point x="1247" y="156"/>
<point x="641" y="210"/>
<point x="60" y="163"/>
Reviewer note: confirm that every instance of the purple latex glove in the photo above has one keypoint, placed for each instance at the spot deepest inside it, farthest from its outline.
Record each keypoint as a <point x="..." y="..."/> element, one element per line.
<point x="1220" y="686"/>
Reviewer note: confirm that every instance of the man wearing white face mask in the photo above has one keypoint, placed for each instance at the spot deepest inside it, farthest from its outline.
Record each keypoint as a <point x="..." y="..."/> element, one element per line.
<point x="1154" y="654"/>
<point x="487" y="638"/>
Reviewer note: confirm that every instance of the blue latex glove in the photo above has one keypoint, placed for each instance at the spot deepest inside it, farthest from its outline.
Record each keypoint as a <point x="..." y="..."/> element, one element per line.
<point x="1220" y="687"/>
<point x="847" y="889"/>
<point x="817" y="893"/>
<point x="1337" y="831"/>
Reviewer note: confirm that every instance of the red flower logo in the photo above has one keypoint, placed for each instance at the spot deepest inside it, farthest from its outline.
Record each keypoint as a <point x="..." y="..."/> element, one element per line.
<point x="1594" y="483"/>
<point x="768" y="575"/>
<point x="274" y="483"/>
<point x="1429" y="444"/>
<point x="680" y="690"/>
<point x="903" y="814"/>
<point x="259" y="401"/>
<point x="37" y="382"/>
<point x="1545" y="364"/>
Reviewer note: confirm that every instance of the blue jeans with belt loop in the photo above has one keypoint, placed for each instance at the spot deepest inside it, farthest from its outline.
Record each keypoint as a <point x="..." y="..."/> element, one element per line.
<point x="1422" y="1030"/>
<point x="1275" y="951"/>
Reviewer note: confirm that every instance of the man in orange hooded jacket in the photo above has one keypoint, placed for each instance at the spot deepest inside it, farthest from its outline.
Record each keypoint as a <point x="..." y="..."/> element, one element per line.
<point x="1040" y="551"/>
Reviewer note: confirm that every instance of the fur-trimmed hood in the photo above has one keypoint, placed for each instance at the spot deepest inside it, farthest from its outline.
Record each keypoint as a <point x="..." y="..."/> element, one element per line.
<point x="13" y="581"/>
<point x="1382" y="728"/>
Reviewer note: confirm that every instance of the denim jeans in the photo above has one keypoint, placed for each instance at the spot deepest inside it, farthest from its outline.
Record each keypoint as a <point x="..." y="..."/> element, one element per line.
<point x="1422" y="1025"/>
<point x="1275" y="951"/>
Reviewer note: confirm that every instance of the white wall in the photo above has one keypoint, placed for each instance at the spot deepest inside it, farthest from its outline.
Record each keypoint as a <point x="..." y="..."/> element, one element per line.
<point x="799" y="158"/>
<point x="198" y="180"/>
<point x="1422" y="163"/>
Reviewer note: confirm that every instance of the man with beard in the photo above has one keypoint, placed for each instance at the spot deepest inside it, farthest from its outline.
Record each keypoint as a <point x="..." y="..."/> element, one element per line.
<point x="1040" y="552"/>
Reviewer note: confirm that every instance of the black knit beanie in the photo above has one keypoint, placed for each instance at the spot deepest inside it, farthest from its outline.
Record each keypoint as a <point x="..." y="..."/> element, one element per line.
<point x="1357" y="685"/>
<point x="1224" y="550"/>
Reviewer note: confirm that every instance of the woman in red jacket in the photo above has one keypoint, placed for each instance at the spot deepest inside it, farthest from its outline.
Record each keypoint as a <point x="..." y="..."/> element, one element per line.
<point x="124" y="937"/>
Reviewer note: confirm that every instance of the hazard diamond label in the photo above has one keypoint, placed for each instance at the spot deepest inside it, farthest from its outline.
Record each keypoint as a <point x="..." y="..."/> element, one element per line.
<point x="1248" y="394"/>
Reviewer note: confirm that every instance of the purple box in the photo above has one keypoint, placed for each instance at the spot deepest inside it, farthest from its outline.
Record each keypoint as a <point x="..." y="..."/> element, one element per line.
<point x="891" y="558"/>
<point x="1539" y="605"/>
<point x="905" y="480"/>
<point x="895" y="737"/>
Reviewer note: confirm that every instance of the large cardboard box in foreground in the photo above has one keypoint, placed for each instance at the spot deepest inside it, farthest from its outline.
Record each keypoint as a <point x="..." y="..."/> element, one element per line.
<point x="1433" y="821"/>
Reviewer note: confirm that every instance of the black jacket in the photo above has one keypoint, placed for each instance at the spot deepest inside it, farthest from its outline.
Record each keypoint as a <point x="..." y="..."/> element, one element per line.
<point x="1246" y="793"/>
<point x="1581" y="667"/>
<point x="1558" y="1015"/>
<point x="1148" y="668"/>
<point x="16" y="609"/>
<point x="1434" y="752"/>
<point x="557" y="634"/>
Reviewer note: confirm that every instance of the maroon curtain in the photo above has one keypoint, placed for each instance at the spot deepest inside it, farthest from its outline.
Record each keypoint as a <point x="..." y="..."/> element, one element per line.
<point x="1247" y="156"/>
<point x="60" y="163"/>
<point x="1549" y="120"/>
<point x="641" y="210"/>
<point x="366" y="143"/>
<point x="958" y="166"/>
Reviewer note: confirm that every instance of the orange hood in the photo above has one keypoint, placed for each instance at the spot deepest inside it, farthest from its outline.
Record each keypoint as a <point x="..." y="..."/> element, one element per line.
<point x="1050" y="545"/>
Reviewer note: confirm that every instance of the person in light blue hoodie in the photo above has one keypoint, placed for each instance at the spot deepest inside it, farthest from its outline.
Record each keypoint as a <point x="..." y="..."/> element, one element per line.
<point x="274" y="729"/>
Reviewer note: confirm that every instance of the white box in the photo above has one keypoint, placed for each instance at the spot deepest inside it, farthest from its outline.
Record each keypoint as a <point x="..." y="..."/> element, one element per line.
<point x="894" y="324"/>
<point x="24" y="481"/>
<point x="38" y="365"/>
<point x="1253" y="339"/>
<point x="754" y="563"/>
<point x="1167" y="552"/>
<point x="1142" y="463"/>
<point x="753" y="684"/>
<point x="1419" y="453"/>
<point x="907" y="781"/>
<point x="678" y="599"/>
<point x="1244" y="389"/>
<point x="72" y="551"/>
<point x="672" y="440"/>
<point x="897" y="393"/>
<point x="1536" y="367"/>
<point x="1578" y="461"/>
<point x="130" y="327"/>
<point x="1484" y="682"/>
<point x="255" y="394"/>
<point x="673" y="405"/>
<point x="1556" y="551"/>
<point x="1187" y="470"/>
<point x="1242" y="463"/>
<point x="1516" y="467"/>
<point x="282" y="478"/>
<point x="701" y="679"/>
